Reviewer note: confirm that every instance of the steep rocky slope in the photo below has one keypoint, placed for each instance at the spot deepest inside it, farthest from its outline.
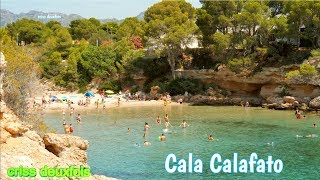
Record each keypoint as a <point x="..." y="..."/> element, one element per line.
<point x="20" y="146"/>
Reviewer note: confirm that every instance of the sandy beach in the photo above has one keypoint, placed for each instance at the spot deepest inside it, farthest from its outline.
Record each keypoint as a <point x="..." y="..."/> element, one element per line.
<point x="110" y="102"/>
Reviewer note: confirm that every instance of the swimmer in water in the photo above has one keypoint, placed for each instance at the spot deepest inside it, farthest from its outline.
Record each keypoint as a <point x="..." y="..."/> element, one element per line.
<point x="311" y="136"/>
<point x="158" y="120"/>
<point x="79" y="118"/>
<point x="166" y="118"/>
<point x="210" y="138"/>
<point x="298" y="114"/>
<point x="314" y="125"/>
<point x="146" y="126"/>
<point x="146" y="143"/>
<point x="162" y="137"/>
<point x="270" y="144"/>
<point x="167" y="124"/>
<point x="184" y="124"/>
<point x="129" y="130"/>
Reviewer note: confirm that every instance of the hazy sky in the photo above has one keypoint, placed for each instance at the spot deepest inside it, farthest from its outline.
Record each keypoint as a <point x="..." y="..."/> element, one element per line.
<point x="87" y="8"/>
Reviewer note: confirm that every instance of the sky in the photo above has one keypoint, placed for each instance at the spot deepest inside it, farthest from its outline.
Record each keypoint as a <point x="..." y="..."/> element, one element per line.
<point x="100" y="9"/>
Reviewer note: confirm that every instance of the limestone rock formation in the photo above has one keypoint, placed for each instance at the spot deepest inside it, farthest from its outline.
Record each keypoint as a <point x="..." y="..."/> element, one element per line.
<point x="21" y="146"/>
<point x="315" y="103"/>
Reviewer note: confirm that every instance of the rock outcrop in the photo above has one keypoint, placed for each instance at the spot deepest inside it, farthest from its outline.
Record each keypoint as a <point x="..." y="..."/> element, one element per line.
<point x="270" y="86"/>
<point x="20" y="146"/>
<point x="315" y="103"/>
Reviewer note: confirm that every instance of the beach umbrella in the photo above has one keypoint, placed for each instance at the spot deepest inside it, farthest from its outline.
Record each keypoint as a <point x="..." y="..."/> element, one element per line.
<point x="54" y="97"/>
<point x="89" y="94"/>
<point x="109" y="92"/>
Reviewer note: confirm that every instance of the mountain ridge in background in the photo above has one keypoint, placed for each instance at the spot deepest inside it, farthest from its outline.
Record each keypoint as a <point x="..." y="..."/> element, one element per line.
<point x="7" y="17"/>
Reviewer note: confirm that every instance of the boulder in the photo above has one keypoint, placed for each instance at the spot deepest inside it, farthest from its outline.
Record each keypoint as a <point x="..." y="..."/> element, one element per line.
<point x="32" y="135"/>
<point x="303" y="106"/>
<point x="75" y="155"/>
<point x="56" y="143"/>
<point x="289" y="99"/>
<point x="315" y="103"/>
<point x="276" y="100"/>
<point x="15" y="128"/>
<point x="4" y="135"/>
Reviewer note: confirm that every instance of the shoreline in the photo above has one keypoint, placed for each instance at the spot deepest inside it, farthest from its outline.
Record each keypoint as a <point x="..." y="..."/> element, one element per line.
<point x="110" y="103"/>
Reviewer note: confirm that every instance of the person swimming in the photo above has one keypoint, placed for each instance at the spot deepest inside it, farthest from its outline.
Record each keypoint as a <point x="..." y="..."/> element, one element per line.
<point x="129" y="130"/>
<point x="158" y="120"/>
<point x="210" y="138"/>
<point x="146" y="143"/>
<point x="146" y="126"/>
<point x="311" y="136"/>
<point x="314" y="125"/>
<point x="184" y="124"/>
<point x="166" y="118"/>
<point x="270" y="144"/>
<point x="162" y="137"/>
<point x="298" y="114"/>
<point x="79" y="118"/>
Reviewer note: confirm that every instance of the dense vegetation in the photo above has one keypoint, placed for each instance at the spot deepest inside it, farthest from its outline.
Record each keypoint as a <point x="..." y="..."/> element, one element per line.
<point x="244" y="35"/>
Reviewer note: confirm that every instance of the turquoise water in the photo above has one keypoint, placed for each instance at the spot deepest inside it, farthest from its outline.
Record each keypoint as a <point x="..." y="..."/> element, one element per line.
<point x="113" y="152"/>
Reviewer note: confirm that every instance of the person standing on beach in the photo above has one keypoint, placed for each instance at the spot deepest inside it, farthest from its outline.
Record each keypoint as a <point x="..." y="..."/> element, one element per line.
<point x="118" y="101"/>
<point x="104" y="107"/>
<point x="97" y="103"/>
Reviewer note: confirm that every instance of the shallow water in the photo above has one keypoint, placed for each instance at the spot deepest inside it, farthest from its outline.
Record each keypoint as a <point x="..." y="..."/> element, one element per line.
<point x="113" y="152"/>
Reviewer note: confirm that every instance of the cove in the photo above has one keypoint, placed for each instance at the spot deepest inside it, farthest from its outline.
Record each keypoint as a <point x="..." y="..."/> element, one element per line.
<point x="112" y="151"/>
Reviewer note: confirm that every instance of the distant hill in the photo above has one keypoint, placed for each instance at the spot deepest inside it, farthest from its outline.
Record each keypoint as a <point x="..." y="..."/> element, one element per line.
<point x="7" y="17"/>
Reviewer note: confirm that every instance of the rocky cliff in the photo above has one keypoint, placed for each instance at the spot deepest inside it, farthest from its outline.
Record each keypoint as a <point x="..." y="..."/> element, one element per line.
<point x="266" y="86"/>
<point x="20" y="146"/>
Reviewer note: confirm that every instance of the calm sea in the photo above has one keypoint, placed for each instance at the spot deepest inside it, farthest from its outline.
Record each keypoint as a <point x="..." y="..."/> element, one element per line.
<point x="115" y="153"/>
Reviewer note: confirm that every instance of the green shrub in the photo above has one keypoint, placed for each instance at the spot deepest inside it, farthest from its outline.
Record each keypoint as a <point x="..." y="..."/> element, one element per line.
<point x="315" y="53"/>
<point x="134" y="89"/>
<point x="305" y="70"/>
<point x="181" y="85"/>
<point x="308" y="70"/>
<point x="238" y="65"/>
<point x="293" y="74"/>
<point x="113" y="85"/>
<point x="284" y="91"/>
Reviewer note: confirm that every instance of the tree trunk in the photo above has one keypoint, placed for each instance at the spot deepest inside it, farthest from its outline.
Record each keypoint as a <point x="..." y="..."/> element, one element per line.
<point x="172" y="63"/>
